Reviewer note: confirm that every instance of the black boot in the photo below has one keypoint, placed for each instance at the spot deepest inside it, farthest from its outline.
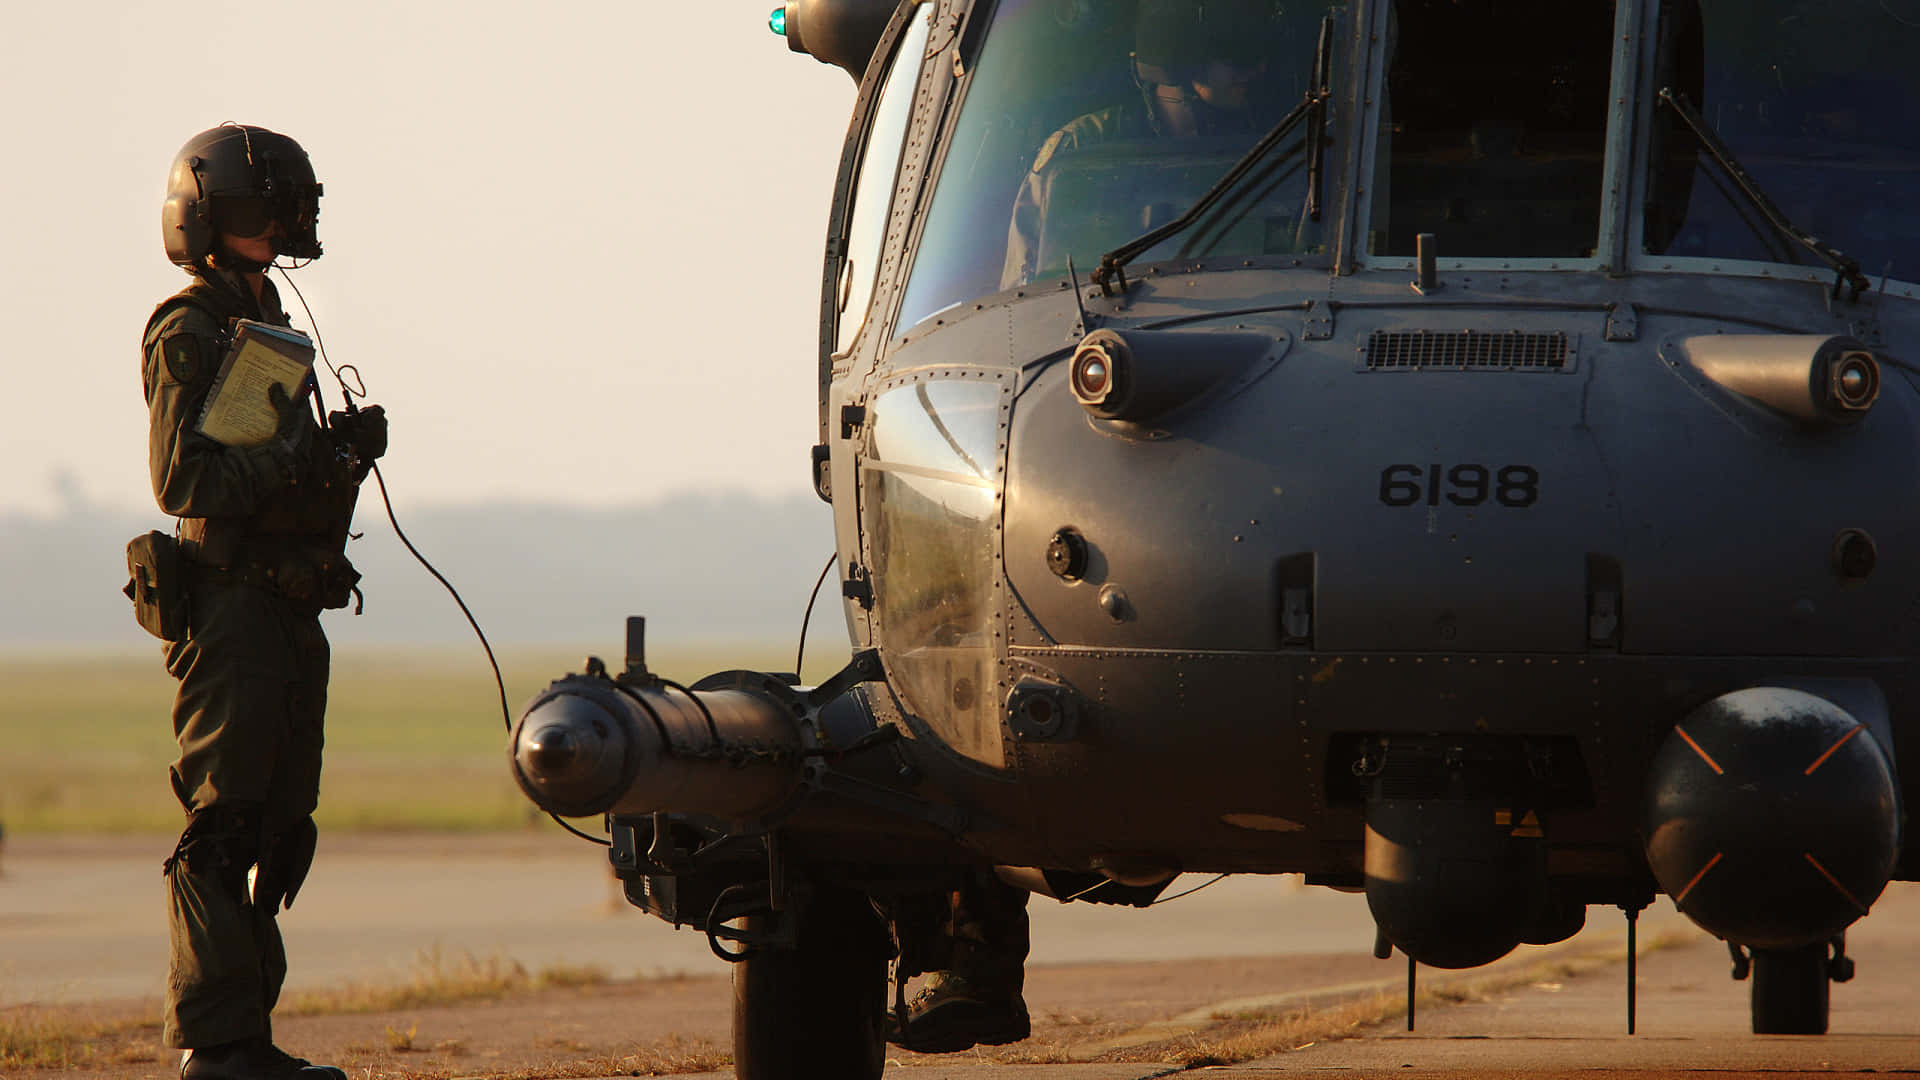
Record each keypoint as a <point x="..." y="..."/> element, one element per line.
<point x="252" y="1059"/>
<point x="954" y="1013"/>
<point x="976" y="1001"/>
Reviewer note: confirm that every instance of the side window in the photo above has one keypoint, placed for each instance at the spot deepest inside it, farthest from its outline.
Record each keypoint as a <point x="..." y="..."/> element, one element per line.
<point x="872" y="193"/>
<point x="930" y="501"/>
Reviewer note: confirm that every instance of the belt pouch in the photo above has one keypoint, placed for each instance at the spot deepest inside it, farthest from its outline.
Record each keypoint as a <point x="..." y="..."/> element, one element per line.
<point x="157" y="585"/>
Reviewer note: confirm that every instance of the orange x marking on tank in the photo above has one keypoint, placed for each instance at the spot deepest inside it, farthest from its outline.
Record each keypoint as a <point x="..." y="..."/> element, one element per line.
<point x="1717" y="856"/>
<point x="1822" y="759"/>
<point x="1835" y="882"/>
<point x="1704" y="756"/>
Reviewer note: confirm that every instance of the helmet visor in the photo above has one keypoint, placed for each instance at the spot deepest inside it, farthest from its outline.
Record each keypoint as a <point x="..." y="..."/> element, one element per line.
<point x="243" y="215"/>
<point x="254" y="215"/>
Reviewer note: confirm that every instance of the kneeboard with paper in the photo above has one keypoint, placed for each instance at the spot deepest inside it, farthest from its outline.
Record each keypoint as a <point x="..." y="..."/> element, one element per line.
<point x="239" y="411"/>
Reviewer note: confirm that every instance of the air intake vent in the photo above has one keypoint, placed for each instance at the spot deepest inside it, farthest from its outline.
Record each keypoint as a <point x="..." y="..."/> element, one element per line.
<point x="1468" y="350"/>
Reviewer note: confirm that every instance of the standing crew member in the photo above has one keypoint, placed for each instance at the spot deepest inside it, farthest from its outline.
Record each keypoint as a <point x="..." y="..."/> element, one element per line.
<point x="260" y="552"/>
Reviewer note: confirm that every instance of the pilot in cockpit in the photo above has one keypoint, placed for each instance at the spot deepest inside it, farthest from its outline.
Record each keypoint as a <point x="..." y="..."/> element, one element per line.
<point x="1200" y="68"/>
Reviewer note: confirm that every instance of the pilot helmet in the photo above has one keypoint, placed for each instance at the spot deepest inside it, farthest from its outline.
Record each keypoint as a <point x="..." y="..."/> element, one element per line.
<point x="1178" y="42"/>
<point x="1174" y="39"/>
<point x="239" y="179"/>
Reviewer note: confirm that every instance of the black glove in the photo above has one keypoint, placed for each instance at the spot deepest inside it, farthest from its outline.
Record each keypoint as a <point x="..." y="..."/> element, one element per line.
<point x="294" y="432"/>
<point x="365" y="430"/>
<point x="284" y="860"/>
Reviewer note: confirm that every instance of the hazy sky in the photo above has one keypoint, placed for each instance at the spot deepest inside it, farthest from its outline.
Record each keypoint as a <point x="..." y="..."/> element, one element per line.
<point x="574" y="247"/>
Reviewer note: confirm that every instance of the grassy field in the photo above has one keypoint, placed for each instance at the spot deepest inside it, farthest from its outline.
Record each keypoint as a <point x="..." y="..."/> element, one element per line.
<point x="414" y="738"/>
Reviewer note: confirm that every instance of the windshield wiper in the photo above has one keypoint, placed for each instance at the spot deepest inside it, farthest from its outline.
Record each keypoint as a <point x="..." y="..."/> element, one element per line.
<point x="1317" y="123"/>
<point x="1113" y="264"/>
<point x="1846" y="268"/>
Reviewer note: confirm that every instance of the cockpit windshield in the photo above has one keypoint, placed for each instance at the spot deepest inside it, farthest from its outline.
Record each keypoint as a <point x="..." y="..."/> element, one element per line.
<point x="1494" y="124"/>
<point x="1090" y="122"/>
<point x="1493" y="128"/>
<point x="1819" y="100"/>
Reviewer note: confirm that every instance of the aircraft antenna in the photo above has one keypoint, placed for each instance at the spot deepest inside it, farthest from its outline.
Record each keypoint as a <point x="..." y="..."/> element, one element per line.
<point x="1086" y="321"/>
<point x="1413" y="981"/>
<point x="1633" y="954"/>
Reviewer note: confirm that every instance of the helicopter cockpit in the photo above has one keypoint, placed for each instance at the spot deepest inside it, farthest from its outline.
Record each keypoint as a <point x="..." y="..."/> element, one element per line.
<point x="1503" y="128"/>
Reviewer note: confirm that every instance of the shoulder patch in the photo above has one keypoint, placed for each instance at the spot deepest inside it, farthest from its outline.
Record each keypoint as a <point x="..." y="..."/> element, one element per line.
<point x="182" y="355"/>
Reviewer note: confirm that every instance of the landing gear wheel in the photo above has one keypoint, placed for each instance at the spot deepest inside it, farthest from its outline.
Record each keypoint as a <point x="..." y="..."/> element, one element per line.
<point x="818" y="1009"/>
<point x="1790" y="991"/>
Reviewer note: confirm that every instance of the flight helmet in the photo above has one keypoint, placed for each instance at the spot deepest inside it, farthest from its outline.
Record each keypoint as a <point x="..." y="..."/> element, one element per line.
<point x="1175" y="41"/>
<point x="239" y="179"/>
<point x="1178" y="34"/>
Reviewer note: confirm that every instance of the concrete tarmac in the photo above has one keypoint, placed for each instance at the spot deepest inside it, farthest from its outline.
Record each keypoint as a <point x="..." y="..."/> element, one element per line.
<point x="82" y="919"/>
<point x="1692" y="1017"/>
<point x="1692" y="1020"/>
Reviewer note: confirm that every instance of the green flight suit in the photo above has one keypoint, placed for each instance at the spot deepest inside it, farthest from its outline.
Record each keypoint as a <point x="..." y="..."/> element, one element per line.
<point x="1060" y="204"/>
<point x="263" y="531"/>
<point x="1031" y="204"/>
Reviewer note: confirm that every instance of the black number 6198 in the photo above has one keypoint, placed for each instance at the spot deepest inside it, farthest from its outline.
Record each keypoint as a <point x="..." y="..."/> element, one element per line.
<point x="1517" y="486"/>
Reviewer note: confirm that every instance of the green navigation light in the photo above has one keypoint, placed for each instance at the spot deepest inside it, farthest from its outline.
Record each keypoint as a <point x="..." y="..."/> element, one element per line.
<point x="778" y="20"/>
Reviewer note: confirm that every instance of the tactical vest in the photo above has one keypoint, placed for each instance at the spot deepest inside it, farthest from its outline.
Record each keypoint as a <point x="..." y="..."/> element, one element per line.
<point x="297" y="542"/>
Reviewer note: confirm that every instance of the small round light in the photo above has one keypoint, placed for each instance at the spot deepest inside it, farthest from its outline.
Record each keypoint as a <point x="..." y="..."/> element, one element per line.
<point x="1091" y="376"/>
<point x="1067" y="554"/>
<point x="778" y="20"/>
<point x="1100" y="373"/>
<point x="1854" y="554"/>
<point x="1856" y="380"/>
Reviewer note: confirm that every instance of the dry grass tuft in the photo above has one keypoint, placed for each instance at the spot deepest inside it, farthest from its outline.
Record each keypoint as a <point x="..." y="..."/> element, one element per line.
<point x="1228" y="1038"/>
<point x="1247" y="1039"/>
<point x="1030" y="1052"/>
<point x="45" y="1038"/>
<point x="34" y="1037"/>
<point x="138" y="1053"/>
<point x="570" y="976"/>
<point x="1071" y="1019"/>
<point x="38" y="1043"/>
<point x="438" y="980"/>
<point x="669" y="1056"/>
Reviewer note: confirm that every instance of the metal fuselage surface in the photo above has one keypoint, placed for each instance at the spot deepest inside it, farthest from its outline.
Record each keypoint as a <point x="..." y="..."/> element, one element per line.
<point x="1509" y="504"/>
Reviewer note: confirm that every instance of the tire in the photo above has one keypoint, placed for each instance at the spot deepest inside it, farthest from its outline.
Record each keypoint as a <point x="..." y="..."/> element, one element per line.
<point x="818" y="1009"/>
<point x="1790" y="991"/>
